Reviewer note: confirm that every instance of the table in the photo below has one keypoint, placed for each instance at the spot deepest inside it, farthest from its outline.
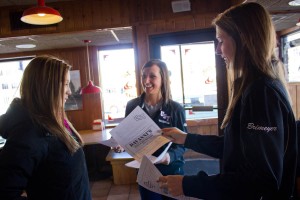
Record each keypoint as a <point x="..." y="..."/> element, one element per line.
<point x="95" y="153"/>
<point x="94" y="136"/>
<point x="121" y="173"/>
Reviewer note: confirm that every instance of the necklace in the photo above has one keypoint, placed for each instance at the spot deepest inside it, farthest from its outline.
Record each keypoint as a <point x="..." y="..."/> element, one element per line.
<point x="152" y="109"/>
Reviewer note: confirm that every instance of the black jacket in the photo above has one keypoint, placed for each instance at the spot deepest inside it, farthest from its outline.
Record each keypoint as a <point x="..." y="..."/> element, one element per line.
<point x="170" y="115"/>
<point x="34" y="161"/>
<point x="259" y="149"/>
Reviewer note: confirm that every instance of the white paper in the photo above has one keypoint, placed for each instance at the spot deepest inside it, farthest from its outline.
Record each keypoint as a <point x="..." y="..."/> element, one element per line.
<point x="153" y="159"/>
<point x="138" y="134"/>
<point x="147" y="177"/>
<point x="161" y="156"/>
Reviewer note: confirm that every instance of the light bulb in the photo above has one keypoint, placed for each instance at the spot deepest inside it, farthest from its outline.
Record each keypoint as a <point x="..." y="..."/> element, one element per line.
<point x="294" y="3"/>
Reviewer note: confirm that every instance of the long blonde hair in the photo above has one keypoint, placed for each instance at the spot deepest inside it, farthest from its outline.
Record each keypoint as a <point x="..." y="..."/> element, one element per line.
<point x="254" y="36"/>
<point x="41" y="90"/>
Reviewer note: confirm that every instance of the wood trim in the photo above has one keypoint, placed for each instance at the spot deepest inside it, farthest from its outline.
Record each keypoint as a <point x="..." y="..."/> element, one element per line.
<point x="146" y="17"/>
<point x="277" y="12"/>
<point x="202" y="122"/>
<point x="287" y="31"/>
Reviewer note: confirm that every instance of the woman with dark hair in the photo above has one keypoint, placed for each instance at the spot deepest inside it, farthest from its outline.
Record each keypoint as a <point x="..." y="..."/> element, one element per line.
<point x="43" y="153"/>
<point x="259" y="146"/>
<point x="157" y="103"/>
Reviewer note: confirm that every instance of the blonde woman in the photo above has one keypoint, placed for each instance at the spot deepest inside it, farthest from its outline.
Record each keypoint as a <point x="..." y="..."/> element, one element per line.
<point x="259" y="147"/>
<point x="43" y="153"/>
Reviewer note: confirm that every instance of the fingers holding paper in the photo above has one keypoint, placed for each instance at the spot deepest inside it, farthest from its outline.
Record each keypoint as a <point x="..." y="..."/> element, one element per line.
<point x="174" y="134"/>
<point x="173" y="183"/>
<point x="118" y="149"/>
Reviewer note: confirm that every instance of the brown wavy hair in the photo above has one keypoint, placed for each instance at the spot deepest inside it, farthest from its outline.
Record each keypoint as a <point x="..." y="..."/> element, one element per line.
<point x="41" y="90"/>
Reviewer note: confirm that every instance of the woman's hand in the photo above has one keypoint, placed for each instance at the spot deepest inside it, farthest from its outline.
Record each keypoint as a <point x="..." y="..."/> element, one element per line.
<point x="174" y="134"/>
<point x="173" y="183"/>
<point x="118" y="149"/>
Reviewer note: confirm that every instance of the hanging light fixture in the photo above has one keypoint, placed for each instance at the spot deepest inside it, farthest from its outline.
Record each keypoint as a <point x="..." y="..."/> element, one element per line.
<point x="90" y="88"/>
<point x="41" y="15"/>
<point x="294" y="3"/>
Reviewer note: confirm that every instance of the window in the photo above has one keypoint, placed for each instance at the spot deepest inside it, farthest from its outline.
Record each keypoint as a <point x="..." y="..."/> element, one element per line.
<point x="4" y="86"/>
<point x="118" y="81"/>
<point x="192" y="73"/>
<point x="291" y="55"/>
<point x="191" y="60"/>
<point x="11" y="72"/>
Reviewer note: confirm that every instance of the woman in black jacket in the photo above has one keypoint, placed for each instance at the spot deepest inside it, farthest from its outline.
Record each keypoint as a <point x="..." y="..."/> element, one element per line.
<point x="259" y="146"/>
<point x="43" y="153"/>
<point x="157" y="103"/>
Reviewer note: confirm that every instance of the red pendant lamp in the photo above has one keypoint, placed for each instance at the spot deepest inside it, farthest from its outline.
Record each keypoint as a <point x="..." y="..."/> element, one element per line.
<point x="41" y="15"/>
<point x="90" y="88"/>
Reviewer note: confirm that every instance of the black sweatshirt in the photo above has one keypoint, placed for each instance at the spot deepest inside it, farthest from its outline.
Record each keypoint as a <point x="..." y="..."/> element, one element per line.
<point x="258" y="149"/>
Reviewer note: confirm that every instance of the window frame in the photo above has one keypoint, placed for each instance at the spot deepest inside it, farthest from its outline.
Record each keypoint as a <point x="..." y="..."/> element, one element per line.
<point x="108" y="48"/>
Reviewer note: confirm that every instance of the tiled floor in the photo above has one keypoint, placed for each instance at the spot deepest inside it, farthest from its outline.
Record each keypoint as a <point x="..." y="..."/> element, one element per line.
<point x="107" y="190"/>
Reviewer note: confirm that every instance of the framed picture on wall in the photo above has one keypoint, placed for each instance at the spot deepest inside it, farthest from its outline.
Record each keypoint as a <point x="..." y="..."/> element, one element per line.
<point x="74" y="101"/>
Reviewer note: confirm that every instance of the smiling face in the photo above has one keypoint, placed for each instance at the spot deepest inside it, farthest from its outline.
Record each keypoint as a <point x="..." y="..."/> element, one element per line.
<point x="151" y="80"/>
<point x="226" y="45"/>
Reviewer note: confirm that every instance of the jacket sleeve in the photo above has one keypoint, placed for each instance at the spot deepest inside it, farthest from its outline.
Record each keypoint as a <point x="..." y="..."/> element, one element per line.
<point x="207" y="144"/>
<point x="176" y="151"/>
<point x="19" y="158"/>
<point x="261" y="126"/>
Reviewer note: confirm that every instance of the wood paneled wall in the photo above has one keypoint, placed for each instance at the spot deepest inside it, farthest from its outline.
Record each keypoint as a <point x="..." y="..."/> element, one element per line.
<point x="294" y="89"/>
<point x="96" y="14"/>
<point x="82" y="119"/>
<point x="146" y="17"/>
<point x="78" y="16"/>
<point x="143" y="31"/>
<point x="203" y="127"/>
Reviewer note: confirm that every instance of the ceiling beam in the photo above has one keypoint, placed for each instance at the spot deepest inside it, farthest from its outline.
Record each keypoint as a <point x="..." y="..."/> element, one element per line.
<point x="278" y="12"/>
